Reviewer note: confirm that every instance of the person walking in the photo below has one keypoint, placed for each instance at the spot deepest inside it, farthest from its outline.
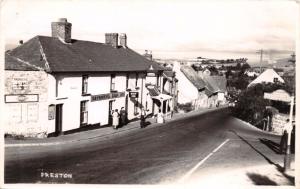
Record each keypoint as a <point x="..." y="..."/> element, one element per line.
<point x="143" y="118"/>
<point x="160" y="118"/>
<point x="284" y="138"/>
<point x="123" y="116"/>
<point x="115" y="117"/>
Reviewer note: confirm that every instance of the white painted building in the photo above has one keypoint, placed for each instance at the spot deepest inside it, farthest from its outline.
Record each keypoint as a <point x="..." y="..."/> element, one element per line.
<point x="268" y="76"/>
<point x="57" y="84"/>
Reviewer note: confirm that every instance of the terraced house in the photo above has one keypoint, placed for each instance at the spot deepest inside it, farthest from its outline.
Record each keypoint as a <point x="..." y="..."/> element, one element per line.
<point x="55" y="84"/>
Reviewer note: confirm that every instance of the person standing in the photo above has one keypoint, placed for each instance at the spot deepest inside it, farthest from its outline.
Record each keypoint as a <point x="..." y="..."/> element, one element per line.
<point x="284" y="138"/>
<point x="143" y="118"/>
<point x="115" y="117"/>
<point x="160" y="118"/>
<point x="123" y="116"/>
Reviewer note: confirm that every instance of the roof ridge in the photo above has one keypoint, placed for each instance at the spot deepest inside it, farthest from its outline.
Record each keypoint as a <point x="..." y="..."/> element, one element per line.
<point x="43" y="55"/>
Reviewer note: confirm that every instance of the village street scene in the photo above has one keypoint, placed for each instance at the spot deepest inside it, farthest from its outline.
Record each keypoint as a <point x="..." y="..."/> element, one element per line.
<point x="90" y="100"/>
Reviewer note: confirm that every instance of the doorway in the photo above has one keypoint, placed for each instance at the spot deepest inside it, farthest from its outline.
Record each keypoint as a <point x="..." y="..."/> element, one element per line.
<point x="110" y="105"/>
<point x="58" y="119"/>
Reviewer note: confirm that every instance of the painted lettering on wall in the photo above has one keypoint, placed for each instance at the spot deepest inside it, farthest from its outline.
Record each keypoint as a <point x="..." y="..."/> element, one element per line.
<point x="107" y="96"/>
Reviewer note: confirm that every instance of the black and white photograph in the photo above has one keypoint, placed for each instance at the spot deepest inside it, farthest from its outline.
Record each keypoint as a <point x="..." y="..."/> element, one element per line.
<point x="167" y="93"/>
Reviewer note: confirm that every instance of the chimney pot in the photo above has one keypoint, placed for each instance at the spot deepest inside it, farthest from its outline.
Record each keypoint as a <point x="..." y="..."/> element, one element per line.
<point x="123" y="40"/>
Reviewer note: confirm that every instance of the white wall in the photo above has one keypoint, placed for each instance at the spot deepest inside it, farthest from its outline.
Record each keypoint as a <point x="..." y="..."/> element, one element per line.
<point x="187" y="92"/>
<point x="66" y="89"/>
<point x="71" y="87"/>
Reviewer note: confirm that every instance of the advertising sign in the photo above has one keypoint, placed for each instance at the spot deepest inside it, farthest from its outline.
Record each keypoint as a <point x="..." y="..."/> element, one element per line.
<point x="133" y="94"/>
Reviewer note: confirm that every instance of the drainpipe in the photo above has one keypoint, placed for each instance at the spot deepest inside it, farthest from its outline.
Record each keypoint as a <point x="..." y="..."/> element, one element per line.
<point x="142" y="92"/>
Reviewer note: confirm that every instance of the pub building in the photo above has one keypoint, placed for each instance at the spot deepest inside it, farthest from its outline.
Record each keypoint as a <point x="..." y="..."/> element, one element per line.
<point x="57" y="84"/>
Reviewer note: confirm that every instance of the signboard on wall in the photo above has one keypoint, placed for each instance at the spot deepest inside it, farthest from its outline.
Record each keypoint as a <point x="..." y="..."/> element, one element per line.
<point x="20" y="98"/>
<point x="51" y="112"/>
<point x="107" y="96"/>
<point x="133" y="94"/>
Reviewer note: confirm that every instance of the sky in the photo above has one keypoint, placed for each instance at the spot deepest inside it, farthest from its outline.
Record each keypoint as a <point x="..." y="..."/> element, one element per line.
<point x="170" y="29"/>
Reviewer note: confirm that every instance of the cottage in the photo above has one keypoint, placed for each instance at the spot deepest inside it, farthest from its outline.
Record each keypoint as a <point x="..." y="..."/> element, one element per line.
<point x="268" y="76"/>
<point x="201" y="91"/>
<point x="57" y="84"/>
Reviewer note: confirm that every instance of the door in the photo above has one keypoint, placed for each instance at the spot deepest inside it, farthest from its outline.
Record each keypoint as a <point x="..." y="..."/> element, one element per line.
<point x="58" y="119"/>
<point x="110" y="103"/>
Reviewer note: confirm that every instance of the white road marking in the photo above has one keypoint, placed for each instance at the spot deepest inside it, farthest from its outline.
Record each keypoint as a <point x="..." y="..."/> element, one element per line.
<point x="188" y="174"/>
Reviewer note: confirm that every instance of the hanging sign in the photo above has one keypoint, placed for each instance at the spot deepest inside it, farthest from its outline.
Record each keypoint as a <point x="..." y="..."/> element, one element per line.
<point x="133" y="94"/>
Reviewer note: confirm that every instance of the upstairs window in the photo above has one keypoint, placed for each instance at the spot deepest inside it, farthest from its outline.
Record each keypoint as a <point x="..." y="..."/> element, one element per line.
<point x="84" y="84"/>
<point x="275" y="79"/>
<point x="113" y="82"/>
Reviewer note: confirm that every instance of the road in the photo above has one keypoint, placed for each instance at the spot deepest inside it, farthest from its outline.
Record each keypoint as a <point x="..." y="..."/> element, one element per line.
<point x="174" y="152"/>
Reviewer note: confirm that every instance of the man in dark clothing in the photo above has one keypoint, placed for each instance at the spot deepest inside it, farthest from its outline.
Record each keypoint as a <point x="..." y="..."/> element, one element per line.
<point x="123" y="116"/>
<point x="143" y="118"/>
<point x="283" y="142"/>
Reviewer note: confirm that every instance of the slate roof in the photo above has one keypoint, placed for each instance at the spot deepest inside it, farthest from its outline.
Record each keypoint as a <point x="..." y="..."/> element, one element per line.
<point x="221" y="82"/>
<point x="191" y="75"/>
<point x="210" y="85"/>
<point x="52" y="55"/>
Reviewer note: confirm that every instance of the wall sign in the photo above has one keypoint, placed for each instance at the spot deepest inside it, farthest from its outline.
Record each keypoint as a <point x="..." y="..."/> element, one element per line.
<point x="51" y="112"/>
<point x="19" y="98"/>
<point x="133" y="94"/>
<point x="107" y="96"/>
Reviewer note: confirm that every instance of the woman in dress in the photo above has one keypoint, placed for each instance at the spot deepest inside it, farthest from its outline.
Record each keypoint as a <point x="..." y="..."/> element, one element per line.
<point x="115" y="117"/>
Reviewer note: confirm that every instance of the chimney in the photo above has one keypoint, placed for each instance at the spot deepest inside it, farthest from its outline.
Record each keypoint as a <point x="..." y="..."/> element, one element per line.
<point x="111" y="39"/>
<point x="148" y="55"/>
<point x="123" y="40"/>
<point x="62" y="30"/>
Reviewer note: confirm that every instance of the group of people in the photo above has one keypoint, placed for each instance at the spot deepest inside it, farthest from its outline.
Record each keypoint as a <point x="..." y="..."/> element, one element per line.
<point x="120" y="119"/>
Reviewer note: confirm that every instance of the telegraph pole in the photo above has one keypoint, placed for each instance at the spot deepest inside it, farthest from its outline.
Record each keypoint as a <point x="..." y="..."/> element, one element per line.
<point x="261" y="51"/>
<point x="287" y="157"/>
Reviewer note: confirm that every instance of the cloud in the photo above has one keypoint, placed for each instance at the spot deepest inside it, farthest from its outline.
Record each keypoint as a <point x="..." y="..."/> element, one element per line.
<point x="164" y="26"/>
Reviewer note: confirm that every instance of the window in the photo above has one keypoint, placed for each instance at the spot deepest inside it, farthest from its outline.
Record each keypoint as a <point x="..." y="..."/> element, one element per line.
<point x="83" y="112"/>
<point x="113" y="82"/>
<point x="84" y="84"/>
<point x="275" y="80"/>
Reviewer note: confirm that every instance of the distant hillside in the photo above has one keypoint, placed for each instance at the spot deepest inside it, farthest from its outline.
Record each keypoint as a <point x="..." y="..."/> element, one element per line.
<point x="280" y="63"/>
<point x="283" y="62"/>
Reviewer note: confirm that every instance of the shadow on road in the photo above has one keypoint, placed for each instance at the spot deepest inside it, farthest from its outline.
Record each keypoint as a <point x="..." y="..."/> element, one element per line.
<point x="279" y="168"/>
<point x="260" y="179"/>
<point x="272" y="145"/>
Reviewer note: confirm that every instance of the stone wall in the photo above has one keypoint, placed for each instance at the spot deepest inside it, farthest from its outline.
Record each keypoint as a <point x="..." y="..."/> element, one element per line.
<point x="26" y="109"/>
<point x="278" y="123"/>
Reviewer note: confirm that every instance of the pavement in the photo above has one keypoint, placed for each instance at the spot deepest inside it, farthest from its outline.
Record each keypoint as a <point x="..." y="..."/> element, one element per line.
<point x="93" y="133"/>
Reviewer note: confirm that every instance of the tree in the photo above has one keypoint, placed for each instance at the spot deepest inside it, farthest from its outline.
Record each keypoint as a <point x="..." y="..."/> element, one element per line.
<point x="251" y="104"/>
<point x="245" y="67"/>
<point x="238" y="66"/>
